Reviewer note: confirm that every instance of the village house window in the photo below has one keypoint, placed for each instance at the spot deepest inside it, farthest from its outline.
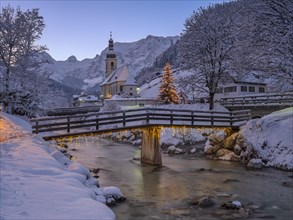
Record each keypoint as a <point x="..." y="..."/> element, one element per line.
<point x="130" y="94"/>
<point x="230" y="89"/>
<point x="251" y="89"/>
<point x="130" y="88"/>
<point x="121" y="88"/>
<point x="261" y="89"/>
<point x="243" y="88"/>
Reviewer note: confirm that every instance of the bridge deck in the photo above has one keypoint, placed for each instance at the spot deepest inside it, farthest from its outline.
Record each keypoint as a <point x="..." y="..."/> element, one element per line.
<point x="98" y="123"/>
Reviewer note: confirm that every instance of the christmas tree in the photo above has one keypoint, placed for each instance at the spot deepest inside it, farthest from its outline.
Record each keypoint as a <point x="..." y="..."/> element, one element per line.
<point x="168" y="93"/>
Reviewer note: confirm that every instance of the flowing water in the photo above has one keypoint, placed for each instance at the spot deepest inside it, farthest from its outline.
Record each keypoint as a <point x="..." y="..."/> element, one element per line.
<point x="168" y="192"/>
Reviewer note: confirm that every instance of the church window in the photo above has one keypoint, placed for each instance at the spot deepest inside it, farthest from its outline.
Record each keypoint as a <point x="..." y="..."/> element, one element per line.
<point x="112" y="65"/>
<point x="121" y="88"/>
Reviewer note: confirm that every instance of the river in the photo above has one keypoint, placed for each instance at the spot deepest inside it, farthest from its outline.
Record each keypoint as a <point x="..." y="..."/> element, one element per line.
<point x="168" y="192"/>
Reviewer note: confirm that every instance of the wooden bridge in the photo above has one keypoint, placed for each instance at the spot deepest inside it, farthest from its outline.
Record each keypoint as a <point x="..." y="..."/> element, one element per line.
<point x="259" y="105"/>
<point x="150" y="120"/>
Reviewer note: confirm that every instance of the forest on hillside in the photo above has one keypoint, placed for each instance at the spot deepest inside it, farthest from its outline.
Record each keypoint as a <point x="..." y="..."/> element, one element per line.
<point x="237" y="37"/>
<point x="234" y="38"/>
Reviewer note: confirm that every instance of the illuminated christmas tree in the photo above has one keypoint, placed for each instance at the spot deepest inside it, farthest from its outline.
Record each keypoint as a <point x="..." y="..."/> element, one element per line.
<point x="168" y="93"/>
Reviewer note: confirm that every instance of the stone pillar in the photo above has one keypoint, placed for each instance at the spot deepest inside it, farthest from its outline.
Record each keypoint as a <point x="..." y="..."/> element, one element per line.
<point x="150" y="147"/>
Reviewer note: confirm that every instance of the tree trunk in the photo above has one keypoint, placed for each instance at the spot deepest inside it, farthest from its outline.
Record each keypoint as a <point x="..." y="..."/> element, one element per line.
<point x="211" y="100"/>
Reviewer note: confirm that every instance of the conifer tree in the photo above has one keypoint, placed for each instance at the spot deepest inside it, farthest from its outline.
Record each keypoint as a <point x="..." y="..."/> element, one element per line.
<point x="168" y="93"/>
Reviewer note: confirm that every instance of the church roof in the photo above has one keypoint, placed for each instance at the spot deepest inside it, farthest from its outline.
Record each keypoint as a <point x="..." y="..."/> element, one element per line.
<point x="130" y="82"/>
<point x="120" y="74"/>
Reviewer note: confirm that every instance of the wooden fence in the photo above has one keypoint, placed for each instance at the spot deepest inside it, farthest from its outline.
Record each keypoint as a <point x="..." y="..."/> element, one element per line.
<point x="269" y="99"/>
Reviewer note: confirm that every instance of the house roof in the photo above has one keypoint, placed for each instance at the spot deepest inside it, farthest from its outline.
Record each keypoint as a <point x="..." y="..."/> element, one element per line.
<point x="120" y="74"/>
<point x="248" y="78"/>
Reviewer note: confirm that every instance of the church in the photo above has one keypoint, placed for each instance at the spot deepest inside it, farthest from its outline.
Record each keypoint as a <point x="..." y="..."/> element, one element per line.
<point x="117" y="81"/>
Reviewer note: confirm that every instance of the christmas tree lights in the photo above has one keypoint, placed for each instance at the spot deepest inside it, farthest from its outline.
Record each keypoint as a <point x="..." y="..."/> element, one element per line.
<point x="168" y="93"/>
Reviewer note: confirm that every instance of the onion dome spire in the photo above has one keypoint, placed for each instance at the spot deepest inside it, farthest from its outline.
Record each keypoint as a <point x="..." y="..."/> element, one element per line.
<point x="111" y="52"/>
<point x="111" y="42"/>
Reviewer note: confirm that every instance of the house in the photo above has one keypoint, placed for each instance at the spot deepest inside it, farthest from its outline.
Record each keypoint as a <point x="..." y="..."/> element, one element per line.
<point x="86" y="100"/>
<point x="183" y="98"/>
<point x="235" y="88"/>
<point x="118" y="80"/>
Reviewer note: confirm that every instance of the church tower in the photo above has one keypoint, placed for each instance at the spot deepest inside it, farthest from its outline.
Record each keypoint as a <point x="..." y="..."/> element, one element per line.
<point x="111" y="60"/>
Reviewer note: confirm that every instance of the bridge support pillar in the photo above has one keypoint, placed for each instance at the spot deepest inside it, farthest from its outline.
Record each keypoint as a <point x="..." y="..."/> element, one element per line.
<point x="150" y="147"/>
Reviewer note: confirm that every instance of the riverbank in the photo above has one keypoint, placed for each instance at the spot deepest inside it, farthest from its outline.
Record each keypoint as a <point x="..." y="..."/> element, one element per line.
<point x="264" y="142"/>
<point x="38" y="182"/>
<point x="186" y="186"/>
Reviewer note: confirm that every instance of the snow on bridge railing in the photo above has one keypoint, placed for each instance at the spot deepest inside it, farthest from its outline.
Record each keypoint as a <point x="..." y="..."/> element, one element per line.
<point x="268" y="99"/>
<point x="136" y="118"/>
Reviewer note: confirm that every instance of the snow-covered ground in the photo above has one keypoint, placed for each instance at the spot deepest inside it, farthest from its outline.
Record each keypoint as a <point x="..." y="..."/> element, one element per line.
<point x="38" y="182"/>
<point x="270" y="139"/>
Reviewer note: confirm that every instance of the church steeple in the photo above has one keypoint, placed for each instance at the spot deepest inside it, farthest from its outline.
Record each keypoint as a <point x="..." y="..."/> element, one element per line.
<point x="111" y="42"/>
<point x="111" y="61"/>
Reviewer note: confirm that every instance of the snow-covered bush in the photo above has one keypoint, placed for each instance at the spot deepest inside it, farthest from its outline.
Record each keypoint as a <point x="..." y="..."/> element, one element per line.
<point x="110" y="106"/>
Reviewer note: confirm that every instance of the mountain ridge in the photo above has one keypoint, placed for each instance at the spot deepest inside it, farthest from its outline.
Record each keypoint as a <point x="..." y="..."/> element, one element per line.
<point x="82" y="74"/>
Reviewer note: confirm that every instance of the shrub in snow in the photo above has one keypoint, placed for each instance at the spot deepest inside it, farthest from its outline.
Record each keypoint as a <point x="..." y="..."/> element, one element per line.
<point x="110" y="106"/>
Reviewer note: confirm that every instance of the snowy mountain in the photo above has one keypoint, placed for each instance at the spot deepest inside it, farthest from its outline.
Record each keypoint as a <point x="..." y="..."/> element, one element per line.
<point x="89" y="72"/>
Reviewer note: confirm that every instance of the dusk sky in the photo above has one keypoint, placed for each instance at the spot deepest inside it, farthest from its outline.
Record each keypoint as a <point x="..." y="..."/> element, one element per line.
<point x="82" y="28"/>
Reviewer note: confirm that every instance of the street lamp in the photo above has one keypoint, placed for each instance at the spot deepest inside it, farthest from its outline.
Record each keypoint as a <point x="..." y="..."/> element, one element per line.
<point x="137" y="92"/>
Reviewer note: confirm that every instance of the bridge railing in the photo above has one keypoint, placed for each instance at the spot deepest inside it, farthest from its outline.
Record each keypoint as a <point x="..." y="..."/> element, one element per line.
<point x="268" y="99"/>
<point x="139" y="118"/>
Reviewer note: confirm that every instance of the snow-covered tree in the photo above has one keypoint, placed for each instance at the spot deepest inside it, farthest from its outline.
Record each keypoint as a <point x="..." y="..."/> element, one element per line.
<point x="168" y="93"/>
<point x="19" y="61"/>
<point x="275" y="32"/>
<point x="206" y="46"/>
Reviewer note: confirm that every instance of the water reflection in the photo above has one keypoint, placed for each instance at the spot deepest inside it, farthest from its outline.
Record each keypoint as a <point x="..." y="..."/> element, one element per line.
<point x="167" y="192"/>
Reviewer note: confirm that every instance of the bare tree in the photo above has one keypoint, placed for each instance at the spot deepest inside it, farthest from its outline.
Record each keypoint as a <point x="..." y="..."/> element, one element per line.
<point x="206" y="46"/>
<point x="19" y="59"/>
<point x="278" y="21"/>
<point x="265" y="44"/>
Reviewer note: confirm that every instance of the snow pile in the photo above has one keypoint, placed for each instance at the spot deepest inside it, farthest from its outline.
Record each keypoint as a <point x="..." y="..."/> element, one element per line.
<point x="270" y="139"/>
<point x="37" y="182"/>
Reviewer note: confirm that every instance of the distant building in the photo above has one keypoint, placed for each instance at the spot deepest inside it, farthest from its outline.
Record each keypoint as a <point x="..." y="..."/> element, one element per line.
<point x="183" y="98"/>
<point x="86" y="100"/>
<point x="234" y="88"/>
<point x="118" y="80"/>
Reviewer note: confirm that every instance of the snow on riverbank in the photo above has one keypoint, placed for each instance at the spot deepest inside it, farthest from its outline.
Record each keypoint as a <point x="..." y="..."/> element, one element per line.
<point x="38" y="182"/>
<point x="270" y="139"/>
